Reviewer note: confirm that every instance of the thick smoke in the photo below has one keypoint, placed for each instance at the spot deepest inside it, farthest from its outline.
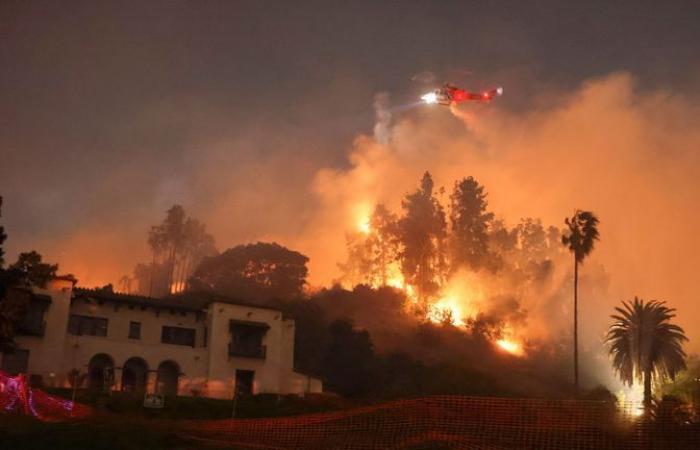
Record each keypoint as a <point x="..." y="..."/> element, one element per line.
<point x="383" y="118"/>
<point x="628" y="155"/>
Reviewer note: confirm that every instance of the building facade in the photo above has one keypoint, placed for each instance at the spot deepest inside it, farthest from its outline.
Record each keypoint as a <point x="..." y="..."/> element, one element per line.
<point x="187" y="346"/>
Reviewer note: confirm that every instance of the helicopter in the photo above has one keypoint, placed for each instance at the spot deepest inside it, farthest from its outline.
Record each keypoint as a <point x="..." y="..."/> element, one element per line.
<point x="450" y="94"/>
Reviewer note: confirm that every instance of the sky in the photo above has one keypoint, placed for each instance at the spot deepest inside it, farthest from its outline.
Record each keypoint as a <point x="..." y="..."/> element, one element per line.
<point x="258" y="117"/>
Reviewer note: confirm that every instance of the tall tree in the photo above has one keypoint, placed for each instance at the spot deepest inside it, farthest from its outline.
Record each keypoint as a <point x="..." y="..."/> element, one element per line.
<point x="645" y="344"/>
<point x="383" y="244"/>
<point x="422" y="233"/>
<point x="580" y="238"/>
<point x="470" y="223"/>
<point x="167" y="239"/>
<point x="348" y="359"/>
<point x="178" y="244"/>
<point x="15" y="290"/>
<point x="32" y="271"/>
<point x="373" y="251"/>
<point x="582" y="232"/>
<point x="253" y="272"/>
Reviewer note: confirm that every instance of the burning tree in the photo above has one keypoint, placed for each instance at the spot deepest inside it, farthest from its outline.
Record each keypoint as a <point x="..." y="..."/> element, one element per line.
<point x="373" y="251"/>
<point x="422" y="233"/>
<point x="178" y="245"/>
<point x="470" y="222"/>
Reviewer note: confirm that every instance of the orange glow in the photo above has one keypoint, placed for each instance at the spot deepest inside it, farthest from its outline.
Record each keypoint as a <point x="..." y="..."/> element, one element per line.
<point x="364" y="227"/>
<point x="447" y="306"/>
<point x="177" y="287"/>
<point x="631" y="398"/>
<point x="512" y="347"/>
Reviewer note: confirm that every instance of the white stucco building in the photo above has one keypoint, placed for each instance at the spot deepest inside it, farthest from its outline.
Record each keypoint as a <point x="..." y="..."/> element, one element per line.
<point x="185" y="346"/>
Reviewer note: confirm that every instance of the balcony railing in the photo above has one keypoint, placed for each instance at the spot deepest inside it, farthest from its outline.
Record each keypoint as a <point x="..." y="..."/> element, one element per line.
<point x="247" y="351"/>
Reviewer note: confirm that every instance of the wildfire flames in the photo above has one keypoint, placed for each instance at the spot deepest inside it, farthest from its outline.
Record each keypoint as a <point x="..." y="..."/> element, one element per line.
<point x="512" y="347"/>
<point x="456" y="305"/>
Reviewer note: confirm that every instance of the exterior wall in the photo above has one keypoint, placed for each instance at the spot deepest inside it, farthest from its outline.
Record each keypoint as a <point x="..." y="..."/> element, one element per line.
<point x="205" y="369"/>
<point x="269" y="372"/>
<point x="46" y="352"/>
<point x="192" y="362"/>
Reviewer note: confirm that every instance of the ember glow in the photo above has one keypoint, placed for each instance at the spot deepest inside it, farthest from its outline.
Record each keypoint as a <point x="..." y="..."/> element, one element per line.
<point x="364" y="227"/>
<point x="512" y="347"/>
<point x="632" y="399"/>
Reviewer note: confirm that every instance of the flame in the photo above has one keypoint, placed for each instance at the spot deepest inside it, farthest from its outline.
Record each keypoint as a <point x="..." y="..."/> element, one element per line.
<point x="511" y="346"/>
<point x="447" y="307"/>
<point x="460" y="299"/>
<point x="632" y="399"/>
<point x="364" y="227"/>
<point x="177" y="287"/>
<point x="396" y="281"/>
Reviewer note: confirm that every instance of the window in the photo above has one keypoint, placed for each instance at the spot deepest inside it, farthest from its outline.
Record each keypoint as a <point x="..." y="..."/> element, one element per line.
<point x="178" y="336"/>
<point x="134" y="330"/>
<point x="15" y="361"/>
<point x="247" y="338"/>
<point x="87" y="326"/>
<point x="33" y="320"/>
<point x="244" y="382"/>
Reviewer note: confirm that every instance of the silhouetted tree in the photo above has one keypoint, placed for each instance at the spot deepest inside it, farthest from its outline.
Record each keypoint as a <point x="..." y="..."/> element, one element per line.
<point x="422" y="234"/>
<point x="356" y="268"/>
<point x="125" y="283"/>
<point x="311" y="335"/>
<point x="383" y="244"/>
<point x="32" y="271"/>
<point x="15" y="290"/>
<point x="470" y="222"/>
<point x="373" y="252"/>
<point x="348" y="360"/>
<point x="167" y="239"/>
<point x="581" y="237"/>
<point x="645" y="344"/>
<point x="687" y="384"/>
<point x="254" y="272"/>
<point x="178" y="245"/>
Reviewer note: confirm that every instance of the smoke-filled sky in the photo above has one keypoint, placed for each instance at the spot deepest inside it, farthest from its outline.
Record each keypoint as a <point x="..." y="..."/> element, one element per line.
<point x="260" y="119"/>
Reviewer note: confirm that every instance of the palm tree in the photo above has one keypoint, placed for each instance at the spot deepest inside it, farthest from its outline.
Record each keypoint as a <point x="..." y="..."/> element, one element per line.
<point x="583" y="232"/>
<point x="644" y="344"/>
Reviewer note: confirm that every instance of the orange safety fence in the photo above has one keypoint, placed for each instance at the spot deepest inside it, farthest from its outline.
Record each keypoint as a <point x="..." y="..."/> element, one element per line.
<point x="437" y="422"/>
<point x="455" y="422"/>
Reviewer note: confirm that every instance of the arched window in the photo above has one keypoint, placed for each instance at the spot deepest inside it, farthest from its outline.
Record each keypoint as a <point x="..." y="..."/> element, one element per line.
<point x="134" y="375"/>
<point x="101" y="372"/>
<point x="167" y="379"/>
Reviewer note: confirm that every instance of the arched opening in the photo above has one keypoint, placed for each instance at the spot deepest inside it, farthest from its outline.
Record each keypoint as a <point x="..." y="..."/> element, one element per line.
<point x="134" y="375"/>
<point x="101" y="372"/>
<point x="167" y="379"/>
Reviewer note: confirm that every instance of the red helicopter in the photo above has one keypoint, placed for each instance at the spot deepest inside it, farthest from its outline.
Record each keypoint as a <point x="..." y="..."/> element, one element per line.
<point x="450" y="94"/>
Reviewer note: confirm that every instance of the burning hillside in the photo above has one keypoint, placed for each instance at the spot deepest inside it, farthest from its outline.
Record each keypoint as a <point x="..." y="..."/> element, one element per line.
<point x="624" y="153"/>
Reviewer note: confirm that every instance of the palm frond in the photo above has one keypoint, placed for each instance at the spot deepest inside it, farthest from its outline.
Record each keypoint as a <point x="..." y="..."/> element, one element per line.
<point x="641" y="338"/>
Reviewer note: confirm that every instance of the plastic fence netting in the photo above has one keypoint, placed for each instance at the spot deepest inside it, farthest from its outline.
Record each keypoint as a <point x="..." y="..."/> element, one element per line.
<point x="439" y="422"/>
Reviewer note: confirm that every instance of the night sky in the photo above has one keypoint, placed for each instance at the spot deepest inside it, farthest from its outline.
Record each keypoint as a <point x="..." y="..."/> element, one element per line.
<point x="112" y="111"/>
